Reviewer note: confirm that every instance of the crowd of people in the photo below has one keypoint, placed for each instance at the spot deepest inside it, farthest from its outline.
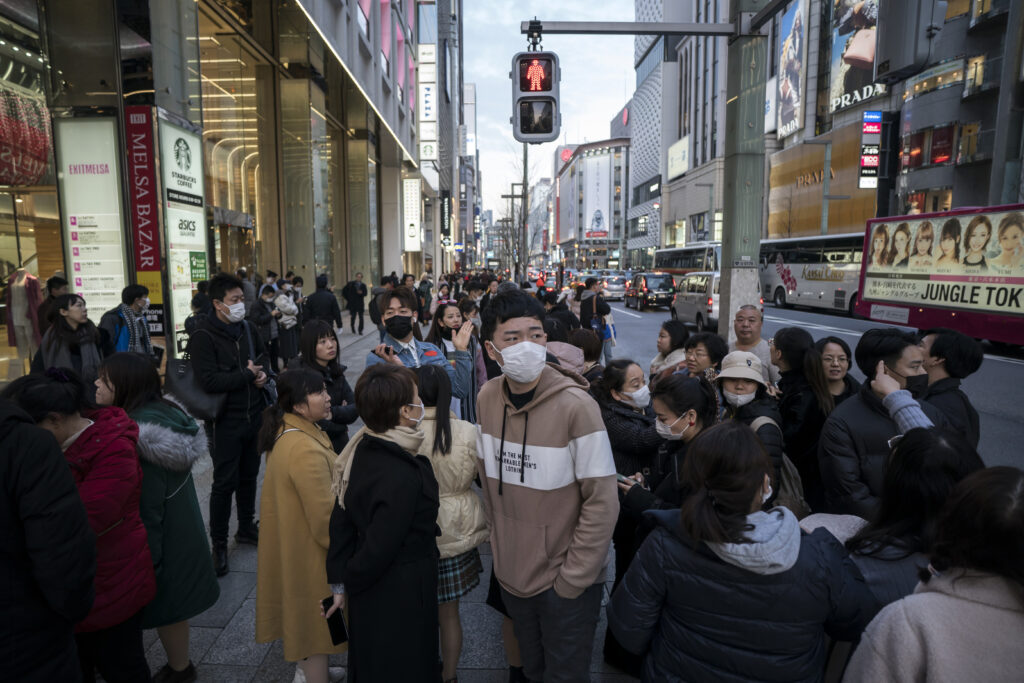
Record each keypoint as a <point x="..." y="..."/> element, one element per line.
<point x="771" y="518"/>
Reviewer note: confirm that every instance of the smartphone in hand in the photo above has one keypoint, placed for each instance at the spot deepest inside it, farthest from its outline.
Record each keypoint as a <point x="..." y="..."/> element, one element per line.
<point x="623" y="479"/>
<point x="335" y="622"/>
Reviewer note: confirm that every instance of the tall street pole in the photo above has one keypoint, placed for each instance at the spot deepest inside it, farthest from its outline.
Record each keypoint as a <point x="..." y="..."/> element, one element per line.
<point x="524" y="256"/>
<point x="744" y="164"/>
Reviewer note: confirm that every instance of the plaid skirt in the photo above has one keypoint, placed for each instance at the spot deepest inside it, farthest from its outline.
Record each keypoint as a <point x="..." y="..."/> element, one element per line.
<point x="458" y="575"/>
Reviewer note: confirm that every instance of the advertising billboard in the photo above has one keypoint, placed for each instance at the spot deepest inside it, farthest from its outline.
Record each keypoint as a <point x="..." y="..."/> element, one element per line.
<point x="851" y="79"/>
<point x="145" y="211"/>
<point x="412" y="240"/>
<point x="597" y="195"/>
<point x="792" y="76"/>
<point x="90" y="196"/>
<point x="679" y="157"/>
<point x="181" y="173"/>
<point x="969" y="262"/>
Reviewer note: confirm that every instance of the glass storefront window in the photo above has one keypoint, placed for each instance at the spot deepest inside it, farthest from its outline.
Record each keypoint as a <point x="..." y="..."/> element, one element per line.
<point x="928" y="147"/>
<point x="928" y="201"/>
<point x="941" y="76"/>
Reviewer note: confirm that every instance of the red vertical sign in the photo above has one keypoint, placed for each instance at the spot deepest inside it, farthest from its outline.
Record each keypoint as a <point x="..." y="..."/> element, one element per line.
<point x="145" y="209"/>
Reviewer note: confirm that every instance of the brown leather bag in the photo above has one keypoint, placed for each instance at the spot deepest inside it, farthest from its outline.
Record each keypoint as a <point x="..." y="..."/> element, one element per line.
<point x="860" y="50"/>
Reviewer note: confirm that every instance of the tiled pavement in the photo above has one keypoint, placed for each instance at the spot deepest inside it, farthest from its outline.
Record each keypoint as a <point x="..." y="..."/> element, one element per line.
<point x="223" y="646"/>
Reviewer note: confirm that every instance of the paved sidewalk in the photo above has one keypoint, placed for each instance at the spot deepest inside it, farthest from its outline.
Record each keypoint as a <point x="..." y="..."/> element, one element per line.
<point x="223" y="646"/>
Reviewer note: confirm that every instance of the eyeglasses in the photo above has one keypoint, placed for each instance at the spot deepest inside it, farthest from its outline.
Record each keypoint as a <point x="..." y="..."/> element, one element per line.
<point x="837" y="360"/>
<point x="694" y="353"/>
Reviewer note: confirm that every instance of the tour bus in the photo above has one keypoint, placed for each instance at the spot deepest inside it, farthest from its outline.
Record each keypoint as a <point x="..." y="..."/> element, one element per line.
<point x="962" y="269"/>
<point x="693" y="257"/>
<point x="822" y="271"/>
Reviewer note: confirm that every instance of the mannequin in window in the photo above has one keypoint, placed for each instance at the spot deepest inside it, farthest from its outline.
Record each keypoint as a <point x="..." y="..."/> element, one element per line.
<point x="24" y="295"/>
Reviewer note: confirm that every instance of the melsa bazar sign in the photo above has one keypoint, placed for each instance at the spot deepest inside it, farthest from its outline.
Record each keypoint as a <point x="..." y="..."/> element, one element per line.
<point x="963" y="261"/>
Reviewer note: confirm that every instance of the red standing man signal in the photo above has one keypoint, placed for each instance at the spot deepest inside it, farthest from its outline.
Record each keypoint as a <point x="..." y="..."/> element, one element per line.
<point x="535" y="74"/>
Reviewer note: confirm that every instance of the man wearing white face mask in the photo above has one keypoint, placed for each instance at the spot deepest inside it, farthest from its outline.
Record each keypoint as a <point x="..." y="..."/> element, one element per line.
<point x="224" y="363"/>
<point x="746" y="400"/>
<point x="549" y="492"/>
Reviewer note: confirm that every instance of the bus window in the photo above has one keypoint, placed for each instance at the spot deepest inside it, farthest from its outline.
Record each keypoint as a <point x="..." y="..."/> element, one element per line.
<point x="716" y="261"/>
<point x="803" y="253"/>
<point x="838" y="256"/>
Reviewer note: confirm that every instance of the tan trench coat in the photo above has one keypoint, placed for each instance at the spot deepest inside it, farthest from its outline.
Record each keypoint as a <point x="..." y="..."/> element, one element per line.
<point x="295" y="515"/>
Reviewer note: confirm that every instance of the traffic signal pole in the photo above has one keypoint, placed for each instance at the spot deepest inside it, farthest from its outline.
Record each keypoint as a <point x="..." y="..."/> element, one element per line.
<point x="744" y="138"/>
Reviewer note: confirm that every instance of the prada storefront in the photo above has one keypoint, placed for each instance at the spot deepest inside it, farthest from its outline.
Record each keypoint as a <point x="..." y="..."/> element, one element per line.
<point x="796" y="188"/>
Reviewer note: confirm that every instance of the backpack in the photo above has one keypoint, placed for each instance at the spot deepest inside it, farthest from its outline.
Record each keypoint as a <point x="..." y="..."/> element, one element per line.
<point x="791" y="486"/>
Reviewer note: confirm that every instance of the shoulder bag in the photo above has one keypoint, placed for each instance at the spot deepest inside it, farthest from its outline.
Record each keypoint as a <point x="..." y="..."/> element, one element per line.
<point x="182" y="383"/>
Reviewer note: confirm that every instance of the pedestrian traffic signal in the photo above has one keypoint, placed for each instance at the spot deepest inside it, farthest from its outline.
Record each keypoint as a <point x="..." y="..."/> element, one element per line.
<point x="535" y="111"/>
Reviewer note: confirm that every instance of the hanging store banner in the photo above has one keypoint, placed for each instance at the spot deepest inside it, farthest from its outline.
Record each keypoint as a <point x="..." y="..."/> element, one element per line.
<point x="792" y="77"/>
<point x="90" y="197"/>
<point x="181" y="173"/>
<point x="411" y="213"/>
<point x="597" y="195"/>
<point x="145" y="211"/>
<point x="853" y="54"/>
<point x="969" y="262"/>
<point x="25" y="141"/>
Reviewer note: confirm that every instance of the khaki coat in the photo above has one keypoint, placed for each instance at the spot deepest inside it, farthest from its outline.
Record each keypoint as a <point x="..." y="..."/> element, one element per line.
<point x="461" y="513"/>
<point x="295" y="517"/>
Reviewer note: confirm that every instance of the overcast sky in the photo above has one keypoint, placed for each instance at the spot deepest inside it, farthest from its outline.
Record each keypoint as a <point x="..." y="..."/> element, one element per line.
<point x="597" y="79"/>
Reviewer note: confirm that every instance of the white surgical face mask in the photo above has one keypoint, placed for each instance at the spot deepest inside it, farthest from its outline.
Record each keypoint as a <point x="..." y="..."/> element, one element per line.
<point x="423" y="412"/>
<point x="298" y="290"/>
<point x="286" y="287"/>
<point x="236" y="312"/>
<point x="738" y="400"/>
<point x="145" y="304"/>
<point x="665" y="430"/>
<point x="640" y="398"/>
<point x="523" y="362"/>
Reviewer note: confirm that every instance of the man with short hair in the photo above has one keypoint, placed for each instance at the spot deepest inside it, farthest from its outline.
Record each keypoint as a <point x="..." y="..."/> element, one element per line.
<point x="549" y="492"/>
<point x="593" y="309"/>
<point x="55" y="286"/>
<point x="126" y="325"/>
<point x="747" y="326"/>
<point x="492" y="290"/>
<point x="949" y="357"/>
<point x="400" y="346"/>
<point x="854" y="445"/>
<point x="323" y="305"/>
<point x="560" y="311"/>
<point x="354" y="294"/>
<point x="221" y="351"/>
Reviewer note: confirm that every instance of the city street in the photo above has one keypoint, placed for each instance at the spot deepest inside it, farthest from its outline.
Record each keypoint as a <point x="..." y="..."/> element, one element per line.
<point x="993" y="389"/>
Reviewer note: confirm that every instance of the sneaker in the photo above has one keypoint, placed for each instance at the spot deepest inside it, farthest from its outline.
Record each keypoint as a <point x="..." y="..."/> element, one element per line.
<point x="168" y="675"/>
<point x="249" y="534"/>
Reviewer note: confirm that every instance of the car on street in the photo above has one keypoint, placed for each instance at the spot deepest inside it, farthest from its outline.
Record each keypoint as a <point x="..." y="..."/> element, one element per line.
<point x="697" y="297"/>
<point x="614" y="288"/>
<point x="649" y="289"/>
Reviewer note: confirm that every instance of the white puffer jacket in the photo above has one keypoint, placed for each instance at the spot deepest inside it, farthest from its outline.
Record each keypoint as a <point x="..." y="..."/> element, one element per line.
<point x="289" y="311"/>
<point x="461" y="514"/>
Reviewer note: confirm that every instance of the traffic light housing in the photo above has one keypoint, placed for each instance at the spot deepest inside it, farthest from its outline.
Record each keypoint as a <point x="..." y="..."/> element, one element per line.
<point x="535" y="111"/>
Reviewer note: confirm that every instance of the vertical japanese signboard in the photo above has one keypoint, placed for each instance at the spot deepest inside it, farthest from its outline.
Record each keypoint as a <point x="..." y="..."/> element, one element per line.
<point x="870" y="149"/>
<point x="145" y="211"/>
<point x="181" y="172"/>
<point x="90" y="193"/>
<point x="411" y="214"/>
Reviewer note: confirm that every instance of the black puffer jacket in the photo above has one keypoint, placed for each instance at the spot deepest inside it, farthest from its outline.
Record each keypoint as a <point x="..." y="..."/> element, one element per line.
<point x="802" y="420"/>
<point x="770" y="435"/>
<point x="47" y="555"/>
<point x="322" y="305"/>
<point x="947" y="396"/>
<point x="698" y="618"/>
<point x="220" y="353"/>
<point x="664" y="491"/>
<point x="853" y="450"/>
<point x="567" y="318"/>
<point x="850" y="388"/>
<point x="632" y="435"/>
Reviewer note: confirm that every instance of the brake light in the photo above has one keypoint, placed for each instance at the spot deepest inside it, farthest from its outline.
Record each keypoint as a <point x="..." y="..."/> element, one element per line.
<point x="645" y="289"/>
<point x="710" y="305"/>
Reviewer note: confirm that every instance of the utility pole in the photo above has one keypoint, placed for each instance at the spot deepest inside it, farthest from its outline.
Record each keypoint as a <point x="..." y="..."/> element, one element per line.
<point x="524" y="256"/>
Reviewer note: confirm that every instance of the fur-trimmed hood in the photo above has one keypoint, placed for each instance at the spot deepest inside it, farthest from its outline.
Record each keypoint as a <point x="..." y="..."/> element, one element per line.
<point x="169" y="438"/>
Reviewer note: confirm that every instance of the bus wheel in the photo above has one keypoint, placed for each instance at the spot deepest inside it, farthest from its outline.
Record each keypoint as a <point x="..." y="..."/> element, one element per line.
<point x="780" y="297"/>
<point x="853" y="307"/>
<point x="699" y="322"/>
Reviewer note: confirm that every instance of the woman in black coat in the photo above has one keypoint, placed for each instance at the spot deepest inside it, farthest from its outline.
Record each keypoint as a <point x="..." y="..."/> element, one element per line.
<point x="318" y="350"/>
<point x="836" y="357"/>
<point x="747" y="401"/>
<point x="723" y="590"/>
<point x="263" y="316"/>
<point x="383" y="551"/>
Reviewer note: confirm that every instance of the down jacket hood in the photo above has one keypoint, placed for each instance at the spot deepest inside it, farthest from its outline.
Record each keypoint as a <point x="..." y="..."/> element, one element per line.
<point x="169" y="437"/>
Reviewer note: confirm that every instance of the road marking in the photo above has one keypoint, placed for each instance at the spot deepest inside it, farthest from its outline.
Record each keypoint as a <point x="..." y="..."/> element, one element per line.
<point x="623" y="310"/>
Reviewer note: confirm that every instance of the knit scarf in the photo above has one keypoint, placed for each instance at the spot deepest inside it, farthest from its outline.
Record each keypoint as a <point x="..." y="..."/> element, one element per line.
<point x="135" y="330"/>
<point x="408" y="438"/>
<point x="57" y="354"/>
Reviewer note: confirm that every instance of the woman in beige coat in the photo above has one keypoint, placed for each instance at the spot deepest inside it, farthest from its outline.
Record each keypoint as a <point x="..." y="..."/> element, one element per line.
<point x="295" y="515"/>
<point x="450" y="444"/>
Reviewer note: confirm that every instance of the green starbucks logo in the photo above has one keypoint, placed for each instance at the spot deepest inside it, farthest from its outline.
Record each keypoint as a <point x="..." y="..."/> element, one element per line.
<point x="182" y="154"/>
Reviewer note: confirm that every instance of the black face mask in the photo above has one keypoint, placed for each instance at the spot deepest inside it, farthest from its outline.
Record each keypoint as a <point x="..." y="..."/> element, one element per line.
<point x="399" y="326"/>
<point x="446" y="332"/>
<point x="917" y="385"/>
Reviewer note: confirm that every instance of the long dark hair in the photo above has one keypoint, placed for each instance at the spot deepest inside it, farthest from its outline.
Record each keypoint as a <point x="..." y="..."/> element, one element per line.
<point x="982" y="526"/>
<point x="293" y="388"/>
<point x="613" y="379"/>
<point x="922" y="469"/>
<point x="312" y="333"/>
<point x="434" y="335"/>
<point x="724" y="470"/>
<point x="134" y="379"/>
<point x="677" y="334"/>
<point x="436" y="392"/>
<point x="62" y="332"/>
<point x="58" y="390"/>
<point x="797" y="348"/>
<point x="681" y="394"/>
